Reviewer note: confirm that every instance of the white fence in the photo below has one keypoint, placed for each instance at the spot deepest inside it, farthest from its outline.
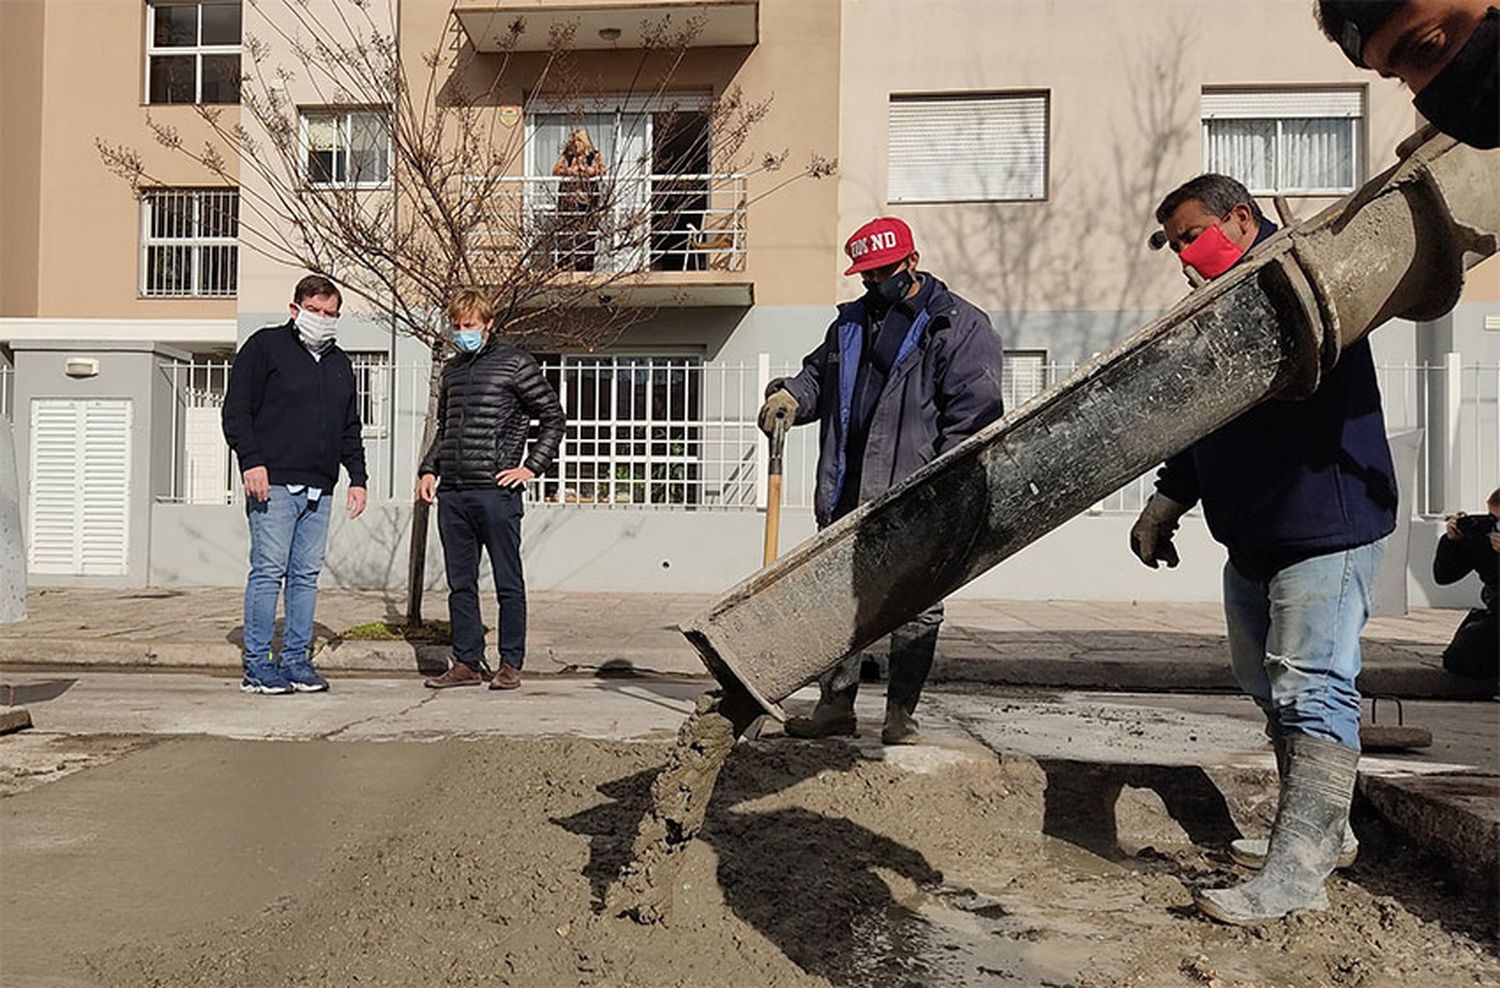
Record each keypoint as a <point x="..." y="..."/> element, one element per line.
<point x="674" y="432"/>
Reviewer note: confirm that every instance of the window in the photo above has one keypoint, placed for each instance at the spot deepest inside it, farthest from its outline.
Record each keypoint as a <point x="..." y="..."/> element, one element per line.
<point x="193" y="52"/>
<point x="372" y="391"/>
<point x="190" y="242"/>
<point x="968" y="148"/>
<point x="347" y="147"/>
<point x="634" y="434"/>
<point x="1285" y="142"/>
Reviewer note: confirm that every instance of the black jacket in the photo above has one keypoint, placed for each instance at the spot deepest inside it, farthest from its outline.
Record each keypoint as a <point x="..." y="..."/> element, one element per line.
<point x="485" y="408"/>
<point x="1457" y="558"/>
<point x="1288" y="480"/>
<point x="295" y="415"/>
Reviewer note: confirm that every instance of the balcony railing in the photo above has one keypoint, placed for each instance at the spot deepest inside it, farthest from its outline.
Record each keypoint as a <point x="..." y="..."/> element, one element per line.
<point x="638" y="223"/>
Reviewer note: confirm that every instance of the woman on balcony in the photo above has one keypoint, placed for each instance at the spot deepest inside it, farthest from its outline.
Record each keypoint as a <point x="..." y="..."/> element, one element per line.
<point x="580" y="167"/>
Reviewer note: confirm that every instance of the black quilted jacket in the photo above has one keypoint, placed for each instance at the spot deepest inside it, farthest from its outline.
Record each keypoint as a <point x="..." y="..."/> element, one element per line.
<point x="485" y="408"/>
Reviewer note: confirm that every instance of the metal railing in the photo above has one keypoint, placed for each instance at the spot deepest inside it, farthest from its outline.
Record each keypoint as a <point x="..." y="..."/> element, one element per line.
<point x="6" y="390"/>
<point x="675" y="432"/>
<point x="627" y="223"/>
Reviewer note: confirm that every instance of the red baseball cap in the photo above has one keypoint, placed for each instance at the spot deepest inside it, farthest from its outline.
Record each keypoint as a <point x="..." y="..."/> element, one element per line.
<point x="884" y="240"/>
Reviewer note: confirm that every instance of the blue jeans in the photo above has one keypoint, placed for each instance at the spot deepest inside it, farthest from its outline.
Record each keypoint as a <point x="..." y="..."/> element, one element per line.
<point x="1294" y="641"/>
<point x="288" y="536"/>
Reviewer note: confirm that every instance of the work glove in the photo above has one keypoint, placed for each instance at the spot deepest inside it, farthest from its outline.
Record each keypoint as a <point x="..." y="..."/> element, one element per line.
<point x="1151" y="535"/>
<point x="781" y="405"/>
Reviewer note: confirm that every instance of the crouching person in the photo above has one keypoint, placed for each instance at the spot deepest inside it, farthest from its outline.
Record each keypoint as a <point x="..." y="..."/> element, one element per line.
<point x="476" y="471"/>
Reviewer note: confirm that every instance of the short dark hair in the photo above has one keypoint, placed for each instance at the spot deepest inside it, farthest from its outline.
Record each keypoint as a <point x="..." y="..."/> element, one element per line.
<point x="1494" y="497"/>
<point x="314" y="285"/>
<point x="1218" y="193"/>
<point x="1349" y="23"/>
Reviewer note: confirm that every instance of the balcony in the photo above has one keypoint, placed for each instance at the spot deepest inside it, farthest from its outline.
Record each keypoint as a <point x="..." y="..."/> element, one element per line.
<point x="606" y="24"/>
<point x="679" y="237"/>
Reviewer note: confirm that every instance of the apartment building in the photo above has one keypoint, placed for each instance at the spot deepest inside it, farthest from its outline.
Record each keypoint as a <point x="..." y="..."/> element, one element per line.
<point x="1025" y="141"/>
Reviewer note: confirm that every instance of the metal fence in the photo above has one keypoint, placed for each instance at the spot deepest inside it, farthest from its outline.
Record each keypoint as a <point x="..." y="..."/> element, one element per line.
<point x="675" y="432"/>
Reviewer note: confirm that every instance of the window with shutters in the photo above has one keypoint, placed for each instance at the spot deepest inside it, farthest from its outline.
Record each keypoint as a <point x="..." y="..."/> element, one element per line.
<point x="190" y="242"/>
<point x="1285" y="142"/>
<point x="967" y="148"/>
<point x="79" y="508"/>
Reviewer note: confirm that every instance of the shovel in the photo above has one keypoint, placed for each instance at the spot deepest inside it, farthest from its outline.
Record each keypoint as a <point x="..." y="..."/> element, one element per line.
<point x="773" y="490"/>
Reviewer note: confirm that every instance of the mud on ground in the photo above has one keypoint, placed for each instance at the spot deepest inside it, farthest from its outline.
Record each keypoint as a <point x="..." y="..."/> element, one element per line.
<point x="817" y="866"/>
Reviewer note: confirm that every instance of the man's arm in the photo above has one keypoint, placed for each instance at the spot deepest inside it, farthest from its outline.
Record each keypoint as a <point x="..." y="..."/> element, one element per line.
<point x="1455" y="557"/>
<point x="429" y="462"/>
<point x="247" y="385"/>
<point x="541" y="403"/>
<point x="1178" y="479"/>
<point x="352" y="454"/>
<point x="807" y="384"/>
<point x="968" y="383"/>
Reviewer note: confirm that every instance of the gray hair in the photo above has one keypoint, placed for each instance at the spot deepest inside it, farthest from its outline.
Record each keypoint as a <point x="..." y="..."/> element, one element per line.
<point x="1218" y="193"/>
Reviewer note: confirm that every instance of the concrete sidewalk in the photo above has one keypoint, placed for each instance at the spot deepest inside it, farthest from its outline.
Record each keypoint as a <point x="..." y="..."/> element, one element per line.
<point x="1103" y="645"/>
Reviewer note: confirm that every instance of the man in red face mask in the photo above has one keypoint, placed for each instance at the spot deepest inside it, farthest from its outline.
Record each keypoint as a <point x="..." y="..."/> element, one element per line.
<point x="1302" y="494"/>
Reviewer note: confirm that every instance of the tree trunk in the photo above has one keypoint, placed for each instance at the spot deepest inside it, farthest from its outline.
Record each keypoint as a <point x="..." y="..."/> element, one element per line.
<point x="416" y="566"/>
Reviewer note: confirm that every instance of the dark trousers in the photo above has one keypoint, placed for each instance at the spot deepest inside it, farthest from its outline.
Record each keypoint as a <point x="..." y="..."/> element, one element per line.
<point x="469" y="521"/>
<point x="912" y="648"/>
<point x="1475" y="649"/>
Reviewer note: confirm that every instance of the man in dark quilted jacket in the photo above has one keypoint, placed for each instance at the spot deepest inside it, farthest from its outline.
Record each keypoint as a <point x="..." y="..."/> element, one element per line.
<point x="476" y="471"/>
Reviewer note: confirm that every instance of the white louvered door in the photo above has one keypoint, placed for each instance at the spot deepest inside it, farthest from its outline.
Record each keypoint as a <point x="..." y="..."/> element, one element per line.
<point x="79" y="510"/>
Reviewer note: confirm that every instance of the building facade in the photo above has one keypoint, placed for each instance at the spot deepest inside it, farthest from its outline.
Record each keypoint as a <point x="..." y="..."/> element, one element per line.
<point x="1025" y="141"/>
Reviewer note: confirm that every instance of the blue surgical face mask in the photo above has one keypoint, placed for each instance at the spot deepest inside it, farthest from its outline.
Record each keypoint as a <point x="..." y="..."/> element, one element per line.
<point x="468" y="340"/>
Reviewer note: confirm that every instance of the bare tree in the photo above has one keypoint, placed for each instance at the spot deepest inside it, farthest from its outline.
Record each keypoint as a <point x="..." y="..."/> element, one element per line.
<point x="450" y="206"/>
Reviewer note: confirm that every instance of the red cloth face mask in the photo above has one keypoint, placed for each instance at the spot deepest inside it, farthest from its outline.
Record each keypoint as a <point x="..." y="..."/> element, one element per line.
<point x="1211" y="253"/>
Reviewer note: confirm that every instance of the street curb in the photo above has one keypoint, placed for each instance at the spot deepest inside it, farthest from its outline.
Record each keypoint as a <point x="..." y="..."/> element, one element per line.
<point x="1451" y="814"/>
<point x="956" y="665"/>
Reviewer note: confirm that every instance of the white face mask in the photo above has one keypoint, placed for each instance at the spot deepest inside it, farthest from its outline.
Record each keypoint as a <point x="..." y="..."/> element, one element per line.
<point x="316" y="330"/>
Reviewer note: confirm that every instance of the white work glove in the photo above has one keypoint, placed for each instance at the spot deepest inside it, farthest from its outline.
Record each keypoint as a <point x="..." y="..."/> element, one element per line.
<point x="781" y="404"/>
<point x="1151" y="535"/>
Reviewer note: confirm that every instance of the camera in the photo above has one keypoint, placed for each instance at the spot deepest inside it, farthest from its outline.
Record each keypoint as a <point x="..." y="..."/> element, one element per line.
<point x="1473" y="526"/>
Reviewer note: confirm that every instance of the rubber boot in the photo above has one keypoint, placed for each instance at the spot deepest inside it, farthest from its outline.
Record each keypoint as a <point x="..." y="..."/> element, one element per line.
<point x="1310" y="817"/>
<point x="1250" y="852"/>
<point x="900" y="726"/>
<point x="832" y="717"/>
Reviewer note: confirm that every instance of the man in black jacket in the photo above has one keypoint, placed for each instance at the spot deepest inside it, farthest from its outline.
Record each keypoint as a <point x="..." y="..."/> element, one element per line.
<point x="292" y="419"/>
<point x="490" y="393"/>
<point x="1303" y="495"/>
<point x="1471" y="544"/>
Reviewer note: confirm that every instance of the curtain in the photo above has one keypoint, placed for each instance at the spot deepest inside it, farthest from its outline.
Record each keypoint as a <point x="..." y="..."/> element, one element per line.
<point x="1243" y="150"/>
<point x="1317" y="154"/>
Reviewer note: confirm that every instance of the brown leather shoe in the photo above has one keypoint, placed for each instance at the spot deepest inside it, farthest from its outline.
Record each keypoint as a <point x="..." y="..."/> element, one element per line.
<point x="507" y="678"/>
<point x="458" y="674"/>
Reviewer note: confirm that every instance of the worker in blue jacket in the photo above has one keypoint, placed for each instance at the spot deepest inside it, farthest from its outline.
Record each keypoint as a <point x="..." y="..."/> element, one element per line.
<point x="1303" y="495"/>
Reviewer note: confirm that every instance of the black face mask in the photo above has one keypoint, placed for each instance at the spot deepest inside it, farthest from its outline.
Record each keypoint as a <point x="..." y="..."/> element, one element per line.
<point x="881" y="295"/>
<point x="1461" y="101"/>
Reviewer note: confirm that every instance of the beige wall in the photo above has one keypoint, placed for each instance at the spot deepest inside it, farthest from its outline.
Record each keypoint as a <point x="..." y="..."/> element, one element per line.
<point x="21" y="43"/>
<point x="1125" y="81"/>
<point x="86" y="242"/>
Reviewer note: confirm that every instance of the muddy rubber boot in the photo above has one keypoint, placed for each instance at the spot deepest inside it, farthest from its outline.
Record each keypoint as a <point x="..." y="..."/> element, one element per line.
<point x="832" y="717"/>
<point x="900" y="726"/>
<point x="1250" y="852"/>
<point x="1305" y="840"/>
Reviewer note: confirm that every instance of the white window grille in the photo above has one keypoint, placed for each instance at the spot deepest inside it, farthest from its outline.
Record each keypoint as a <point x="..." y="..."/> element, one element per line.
<point x="967" y="148"/>
<point x="1285" y="142"/>
<point x="1023" y="376"/>
<point x="349" y="147"/>
<point x="634" y="434"/>
<point x="193" y="52"/>
<point x="190" y="242"/>
<point x="372" y="392"/>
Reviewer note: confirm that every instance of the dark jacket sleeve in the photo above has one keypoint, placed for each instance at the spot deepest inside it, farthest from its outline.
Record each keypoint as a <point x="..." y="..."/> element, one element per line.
<point x="1454" y="560"/>
<point x="541" y="403"/>
<point x="247" y="387"/>
<point x="430" y="458"/>
<point x="967" y="385"/>
<point x="807" y="384"/>
<point x="352" y="454"/>
<point x="1178" y="479"/>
